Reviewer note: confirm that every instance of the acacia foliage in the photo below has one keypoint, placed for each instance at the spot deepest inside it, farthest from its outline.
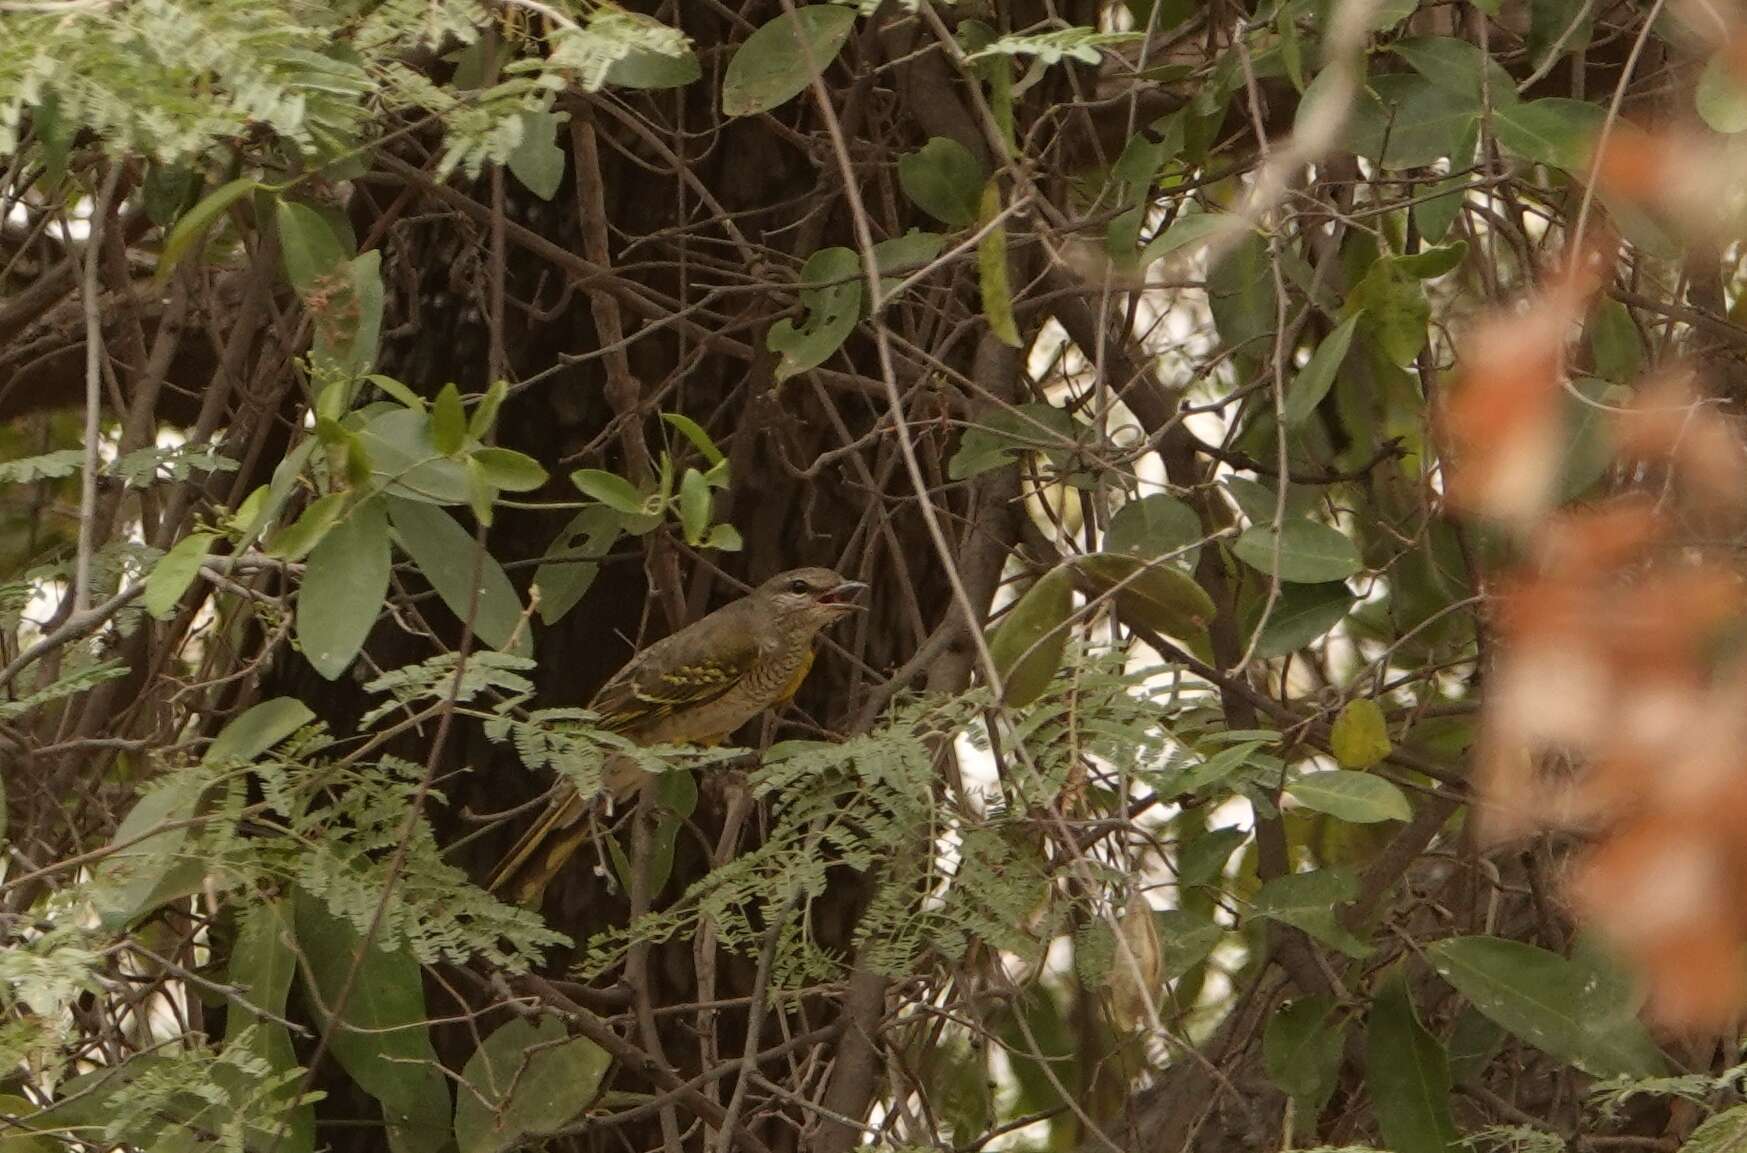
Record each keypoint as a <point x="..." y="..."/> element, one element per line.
<point x="438" y="352"/>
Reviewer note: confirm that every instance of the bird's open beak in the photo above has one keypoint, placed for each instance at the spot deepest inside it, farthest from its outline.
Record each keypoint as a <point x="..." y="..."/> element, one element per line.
<point x="844" y="595"/>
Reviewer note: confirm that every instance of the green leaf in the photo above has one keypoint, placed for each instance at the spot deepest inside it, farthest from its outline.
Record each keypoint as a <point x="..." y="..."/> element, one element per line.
<point x="610" y="489"/>
<point x="166" y="192"/>
<point x="1303" y="613"/>
<point x="646" y="68"/>
<point x="380" y="1035"/>
<point x="562" y="582"/>
<point x="902" y="255"/>
<point x="833" y="307"/>
<point x="344" y="585"/>
<point x="1028" y="644"/>
<point x="1436" y="210"/>
<point x="1407" y="121"/>
<point x="694" y="506"/>
<point x="1453" y="67"/>
<point x="258" y="729"/>
<point x="1301" y="1051"/>
<point x="1357" y="797"/>
<point x="1310" y="552"/>
<point x="998" y="437"/>
<point x="485" y="412"/>
<point x="1550" y="1002"/>
<point x="1202" y="861"/>
<point x="1615" y="343"/>
<point x="1394" y="308"/>
<point x="308" y="245"/>
<point x="1160" y="596"/>
<point x="448" y="556"/>
<point x="1431" y="263"/>
<point x="1360" y="737"/>
<point x="1185" y="940"/>
<point x="943" y="179"/>
<point x="537" y="161"/>
<point x="1310" y="901"/>
<point x="508" y="470"/>
<point x="262" y="963"/>
<point x="779" y="60"/>
<point x="1723" y="1133"/>
<point x="526" y="1079"/>
<point x="294" y="541"/>
<point x="153" y="869"/>
<point x="1318" y="375"/>
<point x="401" y="450"/>
<point x="1155" y="526"/>
<point x="694" y="432"/>
<point x="1242" y="296"/>
<point x="992" y="270"/>
<point x="1721" y="98"/>
<point x="1408" y="1076"/>
<point x="196" y="220"/>
<point x="1188" y="230"/>
<point x="724" y="537"/>
<point x="1551" y="131"/>
<point x="174" y="572"/>
<point x="448" y="421"/>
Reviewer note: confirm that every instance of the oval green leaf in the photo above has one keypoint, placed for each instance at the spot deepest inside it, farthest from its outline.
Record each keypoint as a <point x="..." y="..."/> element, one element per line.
<point x="1310" y="552"/>
<point x="344" y="584"/>
<point x="525" y="1080"/>
<point x="174" y="572"/>
<point x="1357" y="797"/>
<point x="1318" y="375"/>
<point x="1028" y="644"/>
<point x="944" y="180"/>
<point x="1561" y="1007"/>
<point x="781" y="58"/>
<point x="1408" y="1075"/>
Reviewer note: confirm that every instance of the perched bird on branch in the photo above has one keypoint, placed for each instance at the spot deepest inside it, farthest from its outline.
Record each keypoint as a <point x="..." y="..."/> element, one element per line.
<point x="695" y="688"/>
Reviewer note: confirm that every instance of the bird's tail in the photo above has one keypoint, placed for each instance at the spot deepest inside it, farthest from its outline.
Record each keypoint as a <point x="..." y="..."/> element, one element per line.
<point x="550" y="842"/>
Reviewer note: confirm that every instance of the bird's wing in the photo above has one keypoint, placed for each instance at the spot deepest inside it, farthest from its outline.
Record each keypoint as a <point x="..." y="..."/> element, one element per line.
<point x="693" y="667"/>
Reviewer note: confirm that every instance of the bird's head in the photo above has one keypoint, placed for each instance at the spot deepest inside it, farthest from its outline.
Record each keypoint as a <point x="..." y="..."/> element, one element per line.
<point x="816" y="596"/>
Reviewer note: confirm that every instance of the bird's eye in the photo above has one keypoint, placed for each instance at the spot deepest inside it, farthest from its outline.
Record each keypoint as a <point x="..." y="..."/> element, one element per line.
<point x="797" y="586"/>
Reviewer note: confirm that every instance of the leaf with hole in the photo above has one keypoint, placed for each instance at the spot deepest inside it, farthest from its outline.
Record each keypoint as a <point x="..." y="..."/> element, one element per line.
<point x="573" y="560"/>
<point x="778" y="61"/>
<point x="833" y="301"/>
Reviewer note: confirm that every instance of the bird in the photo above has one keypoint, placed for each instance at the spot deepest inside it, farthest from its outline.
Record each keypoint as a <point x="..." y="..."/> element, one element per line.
<point x="695" y="687"/>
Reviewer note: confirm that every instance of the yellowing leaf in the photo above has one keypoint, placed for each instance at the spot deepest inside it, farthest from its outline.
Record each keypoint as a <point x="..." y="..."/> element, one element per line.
<point x="1361" y="736"/>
